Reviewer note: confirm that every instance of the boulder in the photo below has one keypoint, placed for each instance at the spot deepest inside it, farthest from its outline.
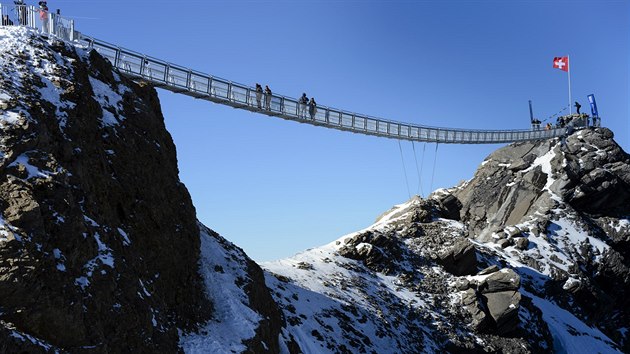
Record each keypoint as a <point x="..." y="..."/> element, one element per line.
<point x="503" y="308"/>
<point x="504" y="243"/>
<point x="503" y="280"/>
<point x="451" y="207"/>
<point x="460" y="259"/>
<point x="489" y="270"/>
<point x="480" y="319"/>
<point x="521" y="243"/>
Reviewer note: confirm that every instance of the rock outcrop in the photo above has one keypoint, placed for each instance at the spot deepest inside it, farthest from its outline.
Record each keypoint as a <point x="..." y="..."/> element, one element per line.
<point x="560" y="212"/>
<point x="99" y="241"/>
<point x="100" y="245"/>
<point x="510" y="261"/>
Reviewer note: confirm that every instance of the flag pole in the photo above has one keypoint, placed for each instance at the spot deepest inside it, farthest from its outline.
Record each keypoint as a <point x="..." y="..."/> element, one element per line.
<point x="569" y="71"/>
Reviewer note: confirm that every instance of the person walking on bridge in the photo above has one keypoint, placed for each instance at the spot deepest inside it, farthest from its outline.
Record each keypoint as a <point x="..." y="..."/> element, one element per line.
<point x="312" y="108"/>
<point x="259" y="93"/>
<point x="267" y="98"/>
<point x="303" y="101"/>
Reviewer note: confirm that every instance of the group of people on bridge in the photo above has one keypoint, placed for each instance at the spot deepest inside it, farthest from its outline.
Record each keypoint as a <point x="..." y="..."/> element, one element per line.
<point x="259" y="94"/>
<point x="303" y="102"/>
<point x="312" y="106"/>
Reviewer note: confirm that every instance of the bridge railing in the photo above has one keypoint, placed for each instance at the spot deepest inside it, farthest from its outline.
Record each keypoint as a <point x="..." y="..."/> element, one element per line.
<point x="47" y="22"/>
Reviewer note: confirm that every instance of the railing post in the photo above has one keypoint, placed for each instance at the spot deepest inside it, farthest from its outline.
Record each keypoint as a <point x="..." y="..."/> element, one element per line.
<point x="142" y="66"/>
<point x="282" y="104"/>
<point x="229" y="92"/>
<point x="117" y="58"/>
<point x="188" y="78"/>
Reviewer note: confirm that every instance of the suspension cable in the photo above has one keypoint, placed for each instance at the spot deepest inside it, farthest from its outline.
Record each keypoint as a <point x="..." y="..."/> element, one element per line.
<point x="404" y="169"/>
<point x="424" y="148"/>
<point x="434" y="161"/>
<point x="417" y="170"/>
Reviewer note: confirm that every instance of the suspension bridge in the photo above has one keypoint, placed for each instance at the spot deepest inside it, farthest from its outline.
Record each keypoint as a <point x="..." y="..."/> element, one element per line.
<point x="186" y="81"/>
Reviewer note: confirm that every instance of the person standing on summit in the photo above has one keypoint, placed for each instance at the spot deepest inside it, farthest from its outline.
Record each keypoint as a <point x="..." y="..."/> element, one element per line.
<point x="43" y="15"/>
<point x="577" y="107"/>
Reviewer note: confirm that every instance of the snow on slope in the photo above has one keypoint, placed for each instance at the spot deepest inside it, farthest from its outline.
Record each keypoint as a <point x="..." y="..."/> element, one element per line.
<point x="222" y="265"/>
<point x="335" y="304"/>
<point x="571" y="335"/>
<point x="318" y="287"/>
<point x="49" y="69"/>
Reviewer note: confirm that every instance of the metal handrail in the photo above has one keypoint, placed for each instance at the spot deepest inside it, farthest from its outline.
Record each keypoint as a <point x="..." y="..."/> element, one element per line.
<point x="193" y="83"/>
<point x="47" y="22"/>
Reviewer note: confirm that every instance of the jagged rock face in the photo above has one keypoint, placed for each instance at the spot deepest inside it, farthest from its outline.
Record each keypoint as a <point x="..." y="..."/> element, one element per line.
<point x="99" y="245"/>
<point x="564" y="213"/>
<point x="385" y="289"/>
<point x="598" y="175"/>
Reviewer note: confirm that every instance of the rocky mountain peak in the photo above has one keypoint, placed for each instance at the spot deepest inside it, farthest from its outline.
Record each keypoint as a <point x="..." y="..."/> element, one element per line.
<point x="99" y="244"/>
<point x="521" y="258"/>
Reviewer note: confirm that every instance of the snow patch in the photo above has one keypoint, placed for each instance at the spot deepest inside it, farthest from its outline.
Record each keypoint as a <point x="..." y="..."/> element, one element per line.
<point x="33" y="172"/>
<point x="234" y="321"/>
<point x="570" y="335"/>
<point x="110" y="101"/>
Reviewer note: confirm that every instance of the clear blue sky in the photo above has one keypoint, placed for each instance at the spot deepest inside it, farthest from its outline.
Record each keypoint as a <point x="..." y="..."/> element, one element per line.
<point x="275" y="187"/>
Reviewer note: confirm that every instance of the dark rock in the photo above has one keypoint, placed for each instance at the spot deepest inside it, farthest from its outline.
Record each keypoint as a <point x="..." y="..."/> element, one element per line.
<point x="503" y="243"/>
<point x="460" y="259"/>
<point x="479" y="317"/>
<point x="505" y="279"/>
<point x="489" y="270"/>
<point x="450" y="207"/>
<point x="105" y="243"/>
<point x="419" y="215"/>
<point x="521" y="242"/>
<point x="503" y="307"/>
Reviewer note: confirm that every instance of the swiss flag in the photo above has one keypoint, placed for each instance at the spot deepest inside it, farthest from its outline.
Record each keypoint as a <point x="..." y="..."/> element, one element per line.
<point x="561" y="63"/>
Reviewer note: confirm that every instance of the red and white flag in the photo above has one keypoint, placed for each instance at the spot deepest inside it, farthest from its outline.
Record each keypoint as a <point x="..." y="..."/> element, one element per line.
<point x="561" y="63"/>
